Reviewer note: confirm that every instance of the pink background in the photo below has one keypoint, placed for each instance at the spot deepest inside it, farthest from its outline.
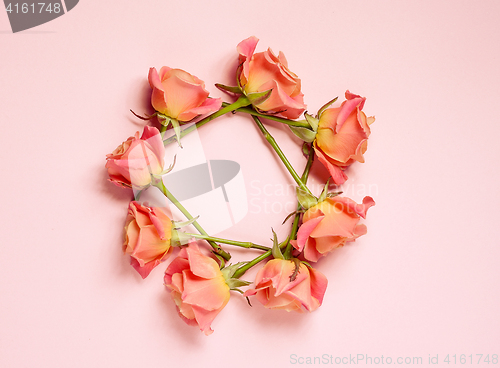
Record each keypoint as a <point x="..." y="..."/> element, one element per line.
<point x="423" y="281"/>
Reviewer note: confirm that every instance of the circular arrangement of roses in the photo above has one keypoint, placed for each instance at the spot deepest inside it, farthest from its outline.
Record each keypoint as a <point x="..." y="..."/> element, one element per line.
<point x="199" y="275"/>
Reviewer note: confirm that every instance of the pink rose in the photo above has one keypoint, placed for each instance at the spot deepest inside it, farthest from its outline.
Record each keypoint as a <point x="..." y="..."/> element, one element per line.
<point x="264" y="71"/>
<point x="197" y="287"/>
<point x="342" y="136"/>
<point x="329" y="225"/>
<point x="279" y="285"/>
<point x="180" y="95"/>
<point x="147" y="237"/>
<point x="133" y="162"/>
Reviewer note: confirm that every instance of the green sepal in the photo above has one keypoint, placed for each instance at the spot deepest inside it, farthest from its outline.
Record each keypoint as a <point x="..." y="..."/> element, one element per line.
<point x="257" y="98"/>
<point x="179" y="238"/>
<point x="229" y="271"/>
<point x="324" y="193"/>
<point x="221" y="260"/>
<point x="305" y="199"/>
<point x="166" y="121"/>
<point x="303" y="133"/>
<point x="236" y="283"/>
<point x="234" y="91"/>
<point x="333" y="194"/>
<point x="177" y="130"/>
<point x="137" y="194"/>
<point x="167" y="170"/>
<point x="326" y="106"/>
<point x="313" y="121"/>
<point x="306" y="149"/>
<point x="148" y="117"/>
<point x="163" y="119"/>
<point x="290" y="215"/>
<point x="178" y="224"/>
<point x="307" y="264"/>
<point x="276" y="251"/>
<point x="296" y="271"/>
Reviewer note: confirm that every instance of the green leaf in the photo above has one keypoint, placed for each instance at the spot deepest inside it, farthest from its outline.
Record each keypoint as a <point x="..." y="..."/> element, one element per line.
<point x="303" y="133"/>
<point x="305" y="199"/>
<point x="276" y="252"/>
<point x="333" y="194"/>
<point x="257" y="98"/>
<point x="325" y="106"/>
<point x="313" y="122"/>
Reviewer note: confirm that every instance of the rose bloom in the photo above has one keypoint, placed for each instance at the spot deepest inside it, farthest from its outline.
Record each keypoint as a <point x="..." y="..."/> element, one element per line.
<point x="329" y="225"/>
<point x="147" y="237"/>
<point x="180" y="95"/>
<point x="133" y="162"/>
<point x="264" y="71"/>
<point x="342" y="136"/>
<point x="197" y="287"/>
<point x="278" y="285"/>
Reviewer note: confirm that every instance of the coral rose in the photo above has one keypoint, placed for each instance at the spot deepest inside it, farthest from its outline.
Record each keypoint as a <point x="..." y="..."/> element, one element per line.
<point x="148" y="231"/>
<point x="264" y="71"/>
<point x="342" y="136"/>
<point x="289" y="285"/>
<point x="180" y="95"/>
<point x="329" y="225"/>
<point x="133" y="162"/>
<point x="197" y="287"/>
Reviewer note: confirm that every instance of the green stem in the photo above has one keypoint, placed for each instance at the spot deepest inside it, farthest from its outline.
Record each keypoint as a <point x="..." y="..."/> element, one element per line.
<point x="242" y="101"/>
<point x="251" y="111"/>
<point x="240" y="271"/>
<point x="295" y="226"/>
<point x="231" y="242"/>
<point x="307" y="169"/>
<point x="281" y="155"/>
<point x="217" y="249"/>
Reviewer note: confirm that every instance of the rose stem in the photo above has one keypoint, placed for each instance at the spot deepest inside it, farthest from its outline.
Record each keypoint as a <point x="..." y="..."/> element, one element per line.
<point x="217" y="249"/>
<point x="242" y="101"/>
<point x="241" y="270"/>
<point x="281" y="155"/>
<point x="231" y="242"/>
<point x="295" y="226"/>
<point x="251" y="111"/>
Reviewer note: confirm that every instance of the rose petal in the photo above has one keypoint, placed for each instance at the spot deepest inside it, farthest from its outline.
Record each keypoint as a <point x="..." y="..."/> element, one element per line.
<point x="158" y="96"/>
<point x="246" y="49"/>
<point x="207" y="294"/>
<point x="353" y="207"/>
<point x="337" y="174"/>
<point x="319" y="284"/>
<point x="201" y="265"/>
<point x="305" y="231"/>
<point x="208" y="106"/>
